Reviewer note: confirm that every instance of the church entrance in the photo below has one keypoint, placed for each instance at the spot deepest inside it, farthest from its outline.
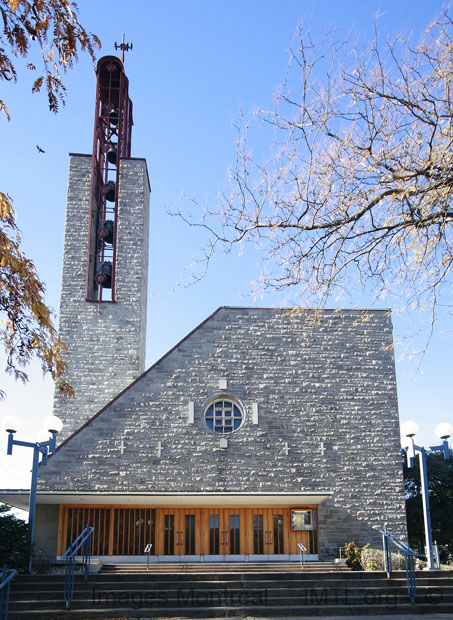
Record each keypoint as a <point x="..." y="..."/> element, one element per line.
<point x="214" y="533"/>
<point x="176" y="533"/>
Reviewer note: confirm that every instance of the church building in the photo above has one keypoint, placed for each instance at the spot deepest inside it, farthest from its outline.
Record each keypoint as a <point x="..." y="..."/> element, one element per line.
<point x="263" y="429"/>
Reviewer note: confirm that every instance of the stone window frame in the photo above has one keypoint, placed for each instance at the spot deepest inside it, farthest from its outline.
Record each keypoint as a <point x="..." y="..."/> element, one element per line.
<point x="227" y="398"/>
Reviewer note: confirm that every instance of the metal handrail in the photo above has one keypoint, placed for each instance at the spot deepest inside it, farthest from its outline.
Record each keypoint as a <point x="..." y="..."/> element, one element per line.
<point x="302" y="550"/>
<point x="83" y="540"/>
<point x="410" y="554"/>
<point x="147" y="551"/>
<point x="5" y="582"/>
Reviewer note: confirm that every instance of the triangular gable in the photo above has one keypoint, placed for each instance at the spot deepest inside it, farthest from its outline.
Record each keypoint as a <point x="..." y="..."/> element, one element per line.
<point x="313" y="377"/>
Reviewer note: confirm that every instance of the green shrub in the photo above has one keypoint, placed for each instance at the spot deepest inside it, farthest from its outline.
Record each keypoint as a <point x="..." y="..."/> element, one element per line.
<point x="14" y="540"/>
<point x="373" y="559"/>
<point x="353" y="555"/>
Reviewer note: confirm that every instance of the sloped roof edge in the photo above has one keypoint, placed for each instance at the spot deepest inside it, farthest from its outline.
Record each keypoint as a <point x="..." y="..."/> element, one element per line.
<point x="178" y="344"/>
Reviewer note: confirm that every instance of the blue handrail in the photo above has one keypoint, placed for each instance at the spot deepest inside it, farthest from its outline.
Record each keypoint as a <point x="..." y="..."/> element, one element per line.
<point x="410" y="554"/>
<point x="5" y="581"/>
<point x="83" y="540"/>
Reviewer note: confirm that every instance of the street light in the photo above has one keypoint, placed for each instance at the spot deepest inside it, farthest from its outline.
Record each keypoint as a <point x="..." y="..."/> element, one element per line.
<point x="444" y="430"/>
<point x="46" y="442"/>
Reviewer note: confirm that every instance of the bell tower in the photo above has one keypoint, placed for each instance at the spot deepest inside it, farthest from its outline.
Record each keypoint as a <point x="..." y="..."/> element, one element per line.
<point x="105" y="262"/>
<point x="111" y="144"/>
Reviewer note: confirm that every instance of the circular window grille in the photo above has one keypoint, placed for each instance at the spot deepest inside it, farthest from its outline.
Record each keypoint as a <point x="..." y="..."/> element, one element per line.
<point x="223" y="416"/>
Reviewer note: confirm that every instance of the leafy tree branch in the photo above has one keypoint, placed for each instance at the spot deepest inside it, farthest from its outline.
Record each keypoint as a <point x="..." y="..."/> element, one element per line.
<point x="53" y="28"/>
<point x="26" y="328"/>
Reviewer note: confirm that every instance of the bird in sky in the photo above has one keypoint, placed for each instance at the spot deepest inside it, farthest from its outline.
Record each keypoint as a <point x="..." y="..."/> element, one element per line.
<point x="40" y="150"/>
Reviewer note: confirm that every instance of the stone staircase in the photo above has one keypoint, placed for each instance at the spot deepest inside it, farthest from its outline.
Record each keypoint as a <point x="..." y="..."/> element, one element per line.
<point x="229" y="594"/>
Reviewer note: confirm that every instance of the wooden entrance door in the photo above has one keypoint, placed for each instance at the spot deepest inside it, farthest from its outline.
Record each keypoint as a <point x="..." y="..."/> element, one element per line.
<point x="223" y="531"/>
<point x="268" y="529"/>
<point x="178" y="532"/>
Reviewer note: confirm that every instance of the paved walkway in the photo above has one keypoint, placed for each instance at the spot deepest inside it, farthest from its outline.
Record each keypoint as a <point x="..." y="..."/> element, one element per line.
<point x="380" y="617"/>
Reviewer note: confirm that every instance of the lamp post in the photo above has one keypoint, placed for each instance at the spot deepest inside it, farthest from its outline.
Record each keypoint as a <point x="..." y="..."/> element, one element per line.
<point x="444" y="430"/>
<point x="46" y="442"/>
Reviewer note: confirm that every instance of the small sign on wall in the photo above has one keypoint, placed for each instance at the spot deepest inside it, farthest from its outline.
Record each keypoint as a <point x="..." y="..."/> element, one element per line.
<point x="301" y="520"/>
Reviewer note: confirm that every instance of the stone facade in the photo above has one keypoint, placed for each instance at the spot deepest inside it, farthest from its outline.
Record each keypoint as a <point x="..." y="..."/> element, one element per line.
<point x="105" y="342"/>
<point x="323" y="385"/>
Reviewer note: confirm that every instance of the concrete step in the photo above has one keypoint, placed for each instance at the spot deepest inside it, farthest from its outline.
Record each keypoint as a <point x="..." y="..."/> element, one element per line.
<point x="362" y="589"/>
<point x="120" y="613"/>
<point x="190" y="597"/>
<point x="277" y="581"/>
<point x="222" y="567"/>
<point x="259" y="594"/>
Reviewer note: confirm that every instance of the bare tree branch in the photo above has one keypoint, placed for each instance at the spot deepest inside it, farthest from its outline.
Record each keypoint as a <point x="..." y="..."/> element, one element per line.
<point x="358" y="192"/>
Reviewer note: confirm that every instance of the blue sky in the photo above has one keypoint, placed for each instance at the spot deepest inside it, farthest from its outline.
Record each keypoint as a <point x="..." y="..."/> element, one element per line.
<point x="194" y="66"/>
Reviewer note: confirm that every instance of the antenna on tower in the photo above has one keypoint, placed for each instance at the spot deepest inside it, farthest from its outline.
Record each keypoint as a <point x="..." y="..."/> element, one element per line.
<point x="124" y="47"/>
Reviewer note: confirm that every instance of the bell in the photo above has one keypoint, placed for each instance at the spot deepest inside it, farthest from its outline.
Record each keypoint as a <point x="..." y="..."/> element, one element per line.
<point x="106" y="232"/>
<point x="108" y="225"/>
<point x="104" y="276"/>
<point x="110" y="191"/>
<point x="112" y="154"/>
<point x="113" y="117"/>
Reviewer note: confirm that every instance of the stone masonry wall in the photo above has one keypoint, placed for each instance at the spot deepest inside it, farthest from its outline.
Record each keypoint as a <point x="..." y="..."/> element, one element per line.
<point x="106" y="342"/>
<point x="46" y="533"/>
<point x="317" y="376"/>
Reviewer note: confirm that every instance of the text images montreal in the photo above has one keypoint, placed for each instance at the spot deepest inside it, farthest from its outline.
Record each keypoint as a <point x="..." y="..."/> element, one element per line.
<point x="191" y="597"/>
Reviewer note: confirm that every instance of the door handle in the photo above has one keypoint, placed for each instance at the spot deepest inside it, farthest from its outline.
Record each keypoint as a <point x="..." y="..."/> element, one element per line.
<point x="226" y="537"/>
<point x="177" y="537"/>
<point x="270" y="537"/>
<point x="181" y="538"/>
<point x="221" y="537"/>
<point x="266" y="537"/>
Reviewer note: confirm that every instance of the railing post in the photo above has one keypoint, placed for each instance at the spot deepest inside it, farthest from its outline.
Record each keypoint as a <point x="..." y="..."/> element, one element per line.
<point x="82" y="541"/>
<point x="5" y="583"/>
<point x="86" y="555"/>
<point x="409" y="554"/>
<point x="386" y="552"/>
<point x="2" y="593"/>
<point x="410" y="577"/>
